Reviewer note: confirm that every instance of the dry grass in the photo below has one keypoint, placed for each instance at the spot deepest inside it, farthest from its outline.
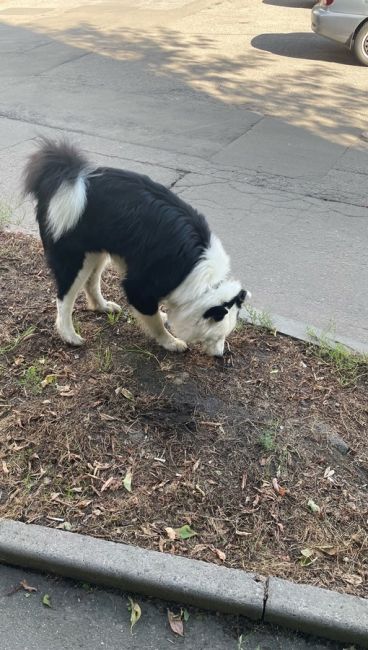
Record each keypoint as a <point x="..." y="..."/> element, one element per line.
<point x="235" y="449"/>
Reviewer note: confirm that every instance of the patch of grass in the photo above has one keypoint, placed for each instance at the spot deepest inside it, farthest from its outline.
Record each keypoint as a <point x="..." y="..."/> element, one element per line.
<point x="267" y="438"/>
<point x="77" y="326"/>
<point x="28" y="482"/>
<point x="113" y="317"/>
<point x="31" y="379"/>
<point x="23" y="336"/>
<point x="104" y="357"/>
<point x="260" y="318"/>
<point x="349" y="364"/>
<point x="69" y="493"/>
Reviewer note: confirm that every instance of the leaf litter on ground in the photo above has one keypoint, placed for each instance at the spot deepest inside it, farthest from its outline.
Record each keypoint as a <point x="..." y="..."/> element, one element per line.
<point x="194" y="444"/>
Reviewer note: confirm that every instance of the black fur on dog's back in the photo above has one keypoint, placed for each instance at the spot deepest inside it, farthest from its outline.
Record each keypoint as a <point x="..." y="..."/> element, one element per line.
<point x="50" y="166"/>
<point x="159" y="236"/>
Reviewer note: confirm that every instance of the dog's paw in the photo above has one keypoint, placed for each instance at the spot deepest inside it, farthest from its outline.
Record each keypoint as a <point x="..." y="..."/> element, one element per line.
<point x="174" y="345"/>
<point x="104" y="307"/>
<point x="109" y="307"/>
<point x="112" y="307"/>
<point x="72" y="339"/>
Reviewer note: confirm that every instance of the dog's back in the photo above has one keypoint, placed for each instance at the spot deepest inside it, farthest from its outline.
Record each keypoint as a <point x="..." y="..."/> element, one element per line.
<point x="82" y="210"/>
<point x="112" y="209"/>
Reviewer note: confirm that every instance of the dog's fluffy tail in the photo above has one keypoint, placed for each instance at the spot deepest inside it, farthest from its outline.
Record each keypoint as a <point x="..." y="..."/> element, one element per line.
<point x="56" y="176"/>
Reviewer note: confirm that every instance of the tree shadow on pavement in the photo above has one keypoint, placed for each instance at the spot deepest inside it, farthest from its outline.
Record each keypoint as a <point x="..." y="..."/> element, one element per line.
<point x="161" y="72"/>
<point x="192" y="65"/>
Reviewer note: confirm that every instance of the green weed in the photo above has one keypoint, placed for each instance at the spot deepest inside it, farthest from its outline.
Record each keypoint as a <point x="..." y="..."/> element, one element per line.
<point x="31" y="379"/>
<point x="104" y="356"/>
<point x="6" y="212"/>
<point x="77" y="326"/>
<point x="350" y="365"/>
<point x="28" y="482"/>
<point x="267" y="437"/>
<point x="23" y="336"/>
<point x="260" y="318"/>
<point x="113" y="317"/>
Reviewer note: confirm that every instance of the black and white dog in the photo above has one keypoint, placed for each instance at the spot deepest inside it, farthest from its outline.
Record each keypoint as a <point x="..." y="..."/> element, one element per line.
<point x="162" y="246"/>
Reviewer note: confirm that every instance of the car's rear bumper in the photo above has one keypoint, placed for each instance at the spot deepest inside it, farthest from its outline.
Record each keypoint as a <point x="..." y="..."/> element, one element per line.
<point x="333" y="25"/>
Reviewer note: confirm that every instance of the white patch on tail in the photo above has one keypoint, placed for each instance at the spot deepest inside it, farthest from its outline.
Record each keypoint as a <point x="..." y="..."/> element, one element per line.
<point x="66" y="207"/>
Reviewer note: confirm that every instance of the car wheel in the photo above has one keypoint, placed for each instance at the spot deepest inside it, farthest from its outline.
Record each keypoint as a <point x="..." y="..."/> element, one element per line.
<point x="360" y="46"/>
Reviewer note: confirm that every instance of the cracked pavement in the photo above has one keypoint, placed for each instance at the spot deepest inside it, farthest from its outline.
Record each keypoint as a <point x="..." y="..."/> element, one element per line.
<point x="236" y="106"/>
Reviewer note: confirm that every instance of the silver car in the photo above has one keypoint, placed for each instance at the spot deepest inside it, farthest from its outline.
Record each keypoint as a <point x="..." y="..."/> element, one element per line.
<point x="345" y="21"/>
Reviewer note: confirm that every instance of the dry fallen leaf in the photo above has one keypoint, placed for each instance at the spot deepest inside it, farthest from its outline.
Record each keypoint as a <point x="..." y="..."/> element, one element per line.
<point x="196" y="465"/>
<point x="175" y="623"/>
<point x="107" y="483"/>
<point x="65" y="525"/>
<point x="242" y="533"/>
<point x="353" y="579"/>
<point x="281" y="491"/>
<point x="313" y="506"/>
<point x="49" y="379"/>
<point x="5" y="467"/>
<point x="127" y="482"/>
<point x="107" y="418"/>
<point x="127" y="394"/>
<point x="27" y="587"/>
<point x="329" y="474"/>
<point x="170" y="533"/>
<point x="308" y="557"/>
<point x="328" y="550"/>
<point x="220" y="554"/>
<point x="65" y="391"/>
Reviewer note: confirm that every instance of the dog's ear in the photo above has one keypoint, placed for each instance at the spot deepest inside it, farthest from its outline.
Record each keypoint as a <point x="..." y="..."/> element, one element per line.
<point x="216" y="313"/>
<point x="240" y="298"/>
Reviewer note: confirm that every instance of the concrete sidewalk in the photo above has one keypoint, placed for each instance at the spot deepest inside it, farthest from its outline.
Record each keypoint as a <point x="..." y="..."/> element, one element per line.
<point x="290" y="205"/>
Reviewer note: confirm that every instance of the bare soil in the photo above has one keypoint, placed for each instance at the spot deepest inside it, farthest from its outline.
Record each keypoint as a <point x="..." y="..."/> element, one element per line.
<point x="235" y="449"/>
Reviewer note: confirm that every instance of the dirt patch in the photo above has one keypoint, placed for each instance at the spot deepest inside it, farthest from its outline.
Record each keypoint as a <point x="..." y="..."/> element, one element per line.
<point x="234" y="449"/>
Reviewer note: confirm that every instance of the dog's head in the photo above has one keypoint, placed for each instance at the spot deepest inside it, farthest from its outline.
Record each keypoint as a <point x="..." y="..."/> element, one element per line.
<point x="211" y="318"/>
<point x="220" y="321"/>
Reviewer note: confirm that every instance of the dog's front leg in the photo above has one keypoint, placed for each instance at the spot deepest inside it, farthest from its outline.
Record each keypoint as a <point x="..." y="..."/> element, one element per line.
<point x="155" y="327"/>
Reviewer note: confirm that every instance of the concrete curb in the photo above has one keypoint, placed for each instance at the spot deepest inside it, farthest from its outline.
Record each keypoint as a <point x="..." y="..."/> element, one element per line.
<point x="299" y="330"/>
<point x="129" y="568"/>
<point x="317" y="611"/>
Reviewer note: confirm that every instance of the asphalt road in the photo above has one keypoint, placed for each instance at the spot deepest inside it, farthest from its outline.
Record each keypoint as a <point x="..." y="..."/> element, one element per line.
<point x="87" y="618"/>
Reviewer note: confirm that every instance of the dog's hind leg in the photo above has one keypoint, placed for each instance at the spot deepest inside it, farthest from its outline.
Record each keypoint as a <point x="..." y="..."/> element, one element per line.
<point x="95" y="299"/>
<point x="155" y="327"/>
<point x="70" y="280"/>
